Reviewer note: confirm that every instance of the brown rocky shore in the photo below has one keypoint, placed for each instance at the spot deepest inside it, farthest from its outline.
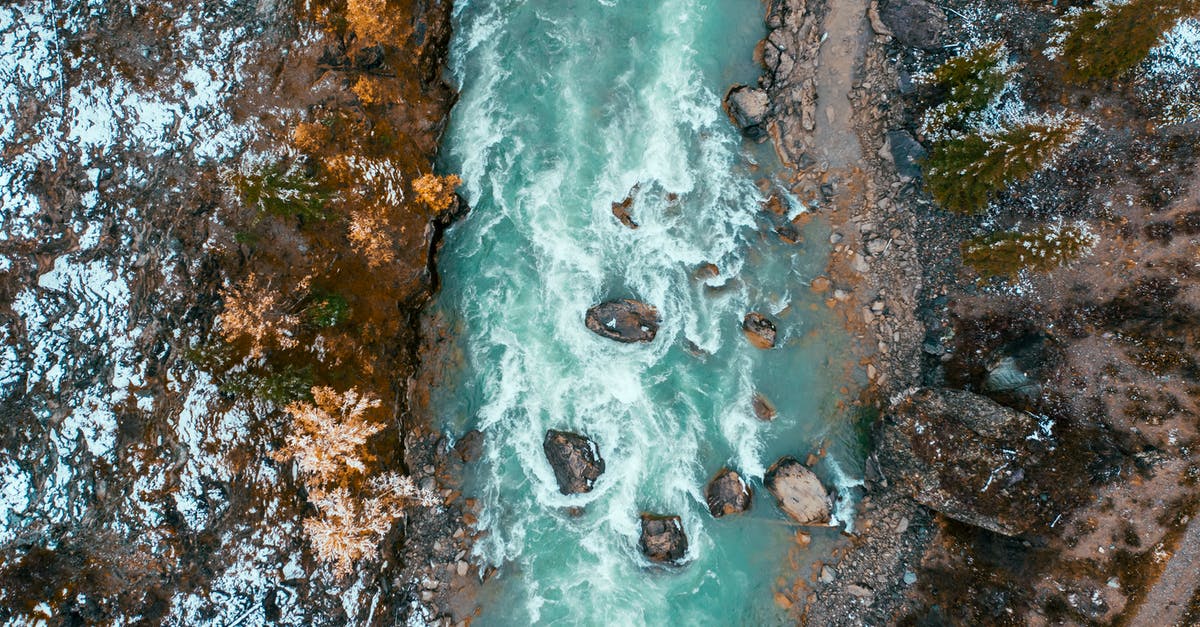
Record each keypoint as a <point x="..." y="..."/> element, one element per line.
<point x="1028" y="465"/>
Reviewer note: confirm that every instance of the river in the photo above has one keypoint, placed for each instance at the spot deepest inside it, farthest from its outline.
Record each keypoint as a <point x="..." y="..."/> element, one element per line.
<point x="566" y="107"/>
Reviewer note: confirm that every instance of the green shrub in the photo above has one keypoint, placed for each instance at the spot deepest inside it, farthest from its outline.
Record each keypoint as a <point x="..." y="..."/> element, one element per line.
<point x="1104" y="41"/>
<point x="326" y="310"/>
<point x="969" y="83"/>
<point x="962" y="172"/>
<point x="1041" y="250"/>
<point x="283" y="191"/>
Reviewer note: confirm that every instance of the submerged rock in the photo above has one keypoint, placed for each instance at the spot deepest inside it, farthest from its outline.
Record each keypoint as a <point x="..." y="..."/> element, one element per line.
<point x="967" y="457"/>
<point x="759" y="330"/>
<point x="470" y="446"/>
<point x="747" y="108"/>
<point x="798" y="491"/>
<point x="624" y="320"/>
<point x="575" y="459"/>
<point x="663" y="540"/>
<point x="706" y="271"/>
<point x="727" y="493"/>
<point x="763" y="409"/>
<point x="914" y="23"/>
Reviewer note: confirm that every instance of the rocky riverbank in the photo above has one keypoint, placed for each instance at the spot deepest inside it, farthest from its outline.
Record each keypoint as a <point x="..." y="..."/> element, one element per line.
<point x="998" y="501"/>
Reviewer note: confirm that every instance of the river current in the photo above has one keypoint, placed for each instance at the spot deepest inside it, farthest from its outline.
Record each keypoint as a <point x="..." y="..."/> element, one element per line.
<point x="567" y="106"/>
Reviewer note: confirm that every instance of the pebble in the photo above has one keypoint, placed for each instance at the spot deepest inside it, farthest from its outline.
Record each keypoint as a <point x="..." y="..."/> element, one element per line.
<point x="910" y="577"/>
<point x="835" y="237"/>
<point x="858" y="591"/>
<point x="462" y="568"/>
<point x="828" y="574"/>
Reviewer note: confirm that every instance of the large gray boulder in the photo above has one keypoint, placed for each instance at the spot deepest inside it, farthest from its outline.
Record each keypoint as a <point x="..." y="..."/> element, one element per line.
<point x="907" y="152"/>
<point x="914" y="23"/>
<point x="747" y="107"/>
<point x="575" y="459"/>
<point x="663" y="540"/>
<point x="799" y="492"/>
<point x="623" y="320"/>
<point x="967" y="457"/>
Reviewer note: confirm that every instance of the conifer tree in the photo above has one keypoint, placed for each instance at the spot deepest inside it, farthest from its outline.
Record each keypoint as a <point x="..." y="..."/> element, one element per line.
<point x="962" y="172"/>
<point x="1105" y="40"/>
<point x="1040" y="250"/>
<point x="969" y="83"/>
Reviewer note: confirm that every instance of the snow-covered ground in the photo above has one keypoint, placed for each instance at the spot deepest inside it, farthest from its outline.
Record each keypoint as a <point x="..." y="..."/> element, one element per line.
<point x="101" y="419"/>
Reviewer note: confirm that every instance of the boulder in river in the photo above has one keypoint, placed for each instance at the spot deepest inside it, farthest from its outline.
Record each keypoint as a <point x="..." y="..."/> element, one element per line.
<point x="747" y="108"/>
<point x="727" y="493"/>
<point x="621" y="209"/>
<point x="623" y="320"/>
<point x="759" y="330"/>
<point x="915" y="23"/>
<point x="575" y="459"/>
<point x="763" y="409"/>
<point x="470" y="446"/>
<point x="663" y="540"/>
<point x="798" y="491"/>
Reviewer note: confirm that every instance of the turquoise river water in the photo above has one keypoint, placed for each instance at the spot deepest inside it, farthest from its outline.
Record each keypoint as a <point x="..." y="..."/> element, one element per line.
<point x="565" y="107"/>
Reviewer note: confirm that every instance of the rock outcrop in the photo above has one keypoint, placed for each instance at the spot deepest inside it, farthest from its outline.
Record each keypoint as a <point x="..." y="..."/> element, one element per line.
<point x="575" y="459"/>
<point x="663" y="540"/>
<point x="798" y="491"/>
<point x="727" y="493"/>
<point x="759" y="330"/>
<point x="965" y="456"/>
<point x="914" y="23"/>
<point x="623" y="320"/>
<point x="747" y="107"/>
<point x="906" y="152"/>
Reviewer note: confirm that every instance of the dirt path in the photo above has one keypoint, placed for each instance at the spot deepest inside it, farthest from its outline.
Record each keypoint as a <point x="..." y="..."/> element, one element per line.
<point x="1168" y="599"/>
<point x="845" y="39"/>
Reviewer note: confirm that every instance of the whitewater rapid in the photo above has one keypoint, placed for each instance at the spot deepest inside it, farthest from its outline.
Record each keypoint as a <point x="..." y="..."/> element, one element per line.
<point x="566" y="108"/>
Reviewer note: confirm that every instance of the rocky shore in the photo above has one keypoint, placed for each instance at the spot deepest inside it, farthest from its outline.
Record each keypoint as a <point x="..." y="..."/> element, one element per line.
<point x="987" y="463"/>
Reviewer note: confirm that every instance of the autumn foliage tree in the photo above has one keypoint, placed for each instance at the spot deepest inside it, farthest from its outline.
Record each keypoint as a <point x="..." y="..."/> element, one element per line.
<point x="257" y="314"/>
<point x="328" y="443"/>
<point x="436" y="192"/>
<point x="374" y="23"/>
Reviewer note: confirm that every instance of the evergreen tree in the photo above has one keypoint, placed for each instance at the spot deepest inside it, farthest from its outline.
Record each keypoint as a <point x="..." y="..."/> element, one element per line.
<point x="962" y="172"/>
<point x="968" y="83"/>
<point x="283" y="190"/>
<point x="1104" y="41"/>
<point x="1041" y="250"/>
